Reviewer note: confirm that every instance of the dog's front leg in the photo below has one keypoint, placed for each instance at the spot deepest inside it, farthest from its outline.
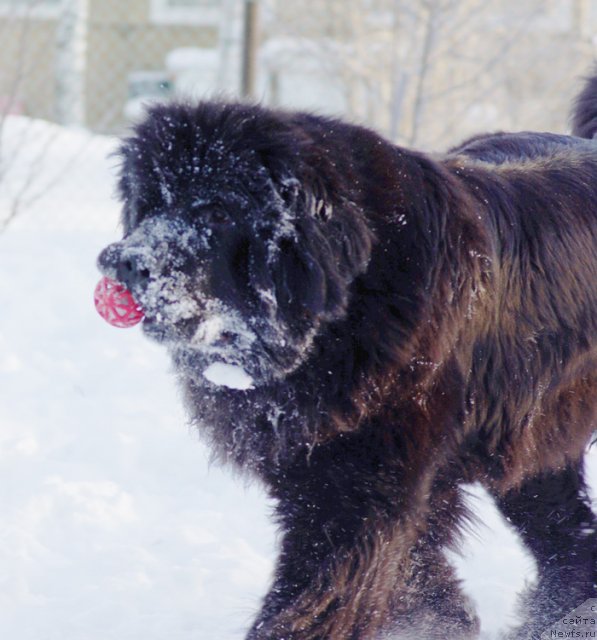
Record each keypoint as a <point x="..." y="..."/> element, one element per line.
<point x="349" y="526"/>
<point x="361" y="555"/>
<point x="326" y="589"/>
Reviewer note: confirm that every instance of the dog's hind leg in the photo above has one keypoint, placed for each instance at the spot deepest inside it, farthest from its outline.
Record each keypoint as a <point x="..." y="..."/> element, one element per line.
<point x="553" y="516"/>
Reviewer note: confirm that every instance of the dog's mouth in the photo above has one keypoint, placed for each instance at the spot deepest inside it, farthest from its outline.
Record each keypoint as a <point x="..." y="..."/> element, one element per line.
<point x="211" y="341"/>
<point x="202" y="332"/>
<point x="215" y="347"/>
<point x="162" y="331"/>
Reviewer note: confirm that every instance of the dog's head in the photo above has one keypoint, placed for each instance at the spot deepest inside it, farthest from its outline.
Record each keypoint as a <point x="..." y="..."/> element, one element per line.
<point x="240" y="241"/>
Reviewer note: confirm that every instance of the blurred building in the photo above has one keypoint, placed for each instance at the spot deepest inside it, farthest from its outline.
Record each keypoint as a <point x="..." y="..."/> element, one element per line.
<point x="424" y="73"/>
<point x="122" y="51"/>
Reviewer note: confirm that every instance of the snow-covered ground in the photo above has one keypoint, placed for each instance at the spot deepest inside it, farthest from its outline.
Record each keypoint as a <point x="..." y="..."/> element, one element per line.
<point x="114" y="525"/>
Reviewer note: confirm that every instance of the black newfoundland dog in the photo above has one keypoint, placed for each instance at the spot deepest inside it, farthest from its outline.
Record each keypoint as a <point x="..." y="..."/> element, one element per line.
<point x="365" y="328"/>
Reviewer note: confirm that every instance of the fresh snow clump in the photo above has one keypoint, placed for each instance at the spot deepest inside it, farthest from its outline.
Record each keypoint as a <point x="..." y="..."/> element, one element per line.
<point x="228" y="375"/>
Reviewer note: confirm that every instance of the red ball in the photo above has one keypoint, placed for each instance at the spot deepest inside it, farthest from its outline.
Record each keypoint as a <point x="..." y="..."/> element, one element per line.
<point x="116" y="305"/>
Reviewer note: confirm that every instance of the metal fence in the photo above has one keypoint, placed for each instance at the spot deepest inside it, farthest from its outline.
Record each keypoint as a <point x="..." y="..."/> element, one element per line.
<point x="92" y="62"/>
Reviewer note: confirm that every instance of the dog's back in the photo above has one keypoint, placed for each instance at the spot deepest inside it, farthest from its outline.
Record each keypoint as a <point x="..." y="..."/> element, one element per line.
<point x="501" y="147"/>
<point x="584" y="113"/>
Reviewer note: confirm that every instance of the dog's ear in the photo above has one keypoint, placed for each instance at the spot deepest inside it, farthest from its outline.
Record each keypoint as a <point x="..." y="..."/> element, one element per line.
<point x="300" y="281"/>
<point x="322" y="240"/>
<point x="326" y="245"/>
<point x="289" y="190"/>
<point x="313" y="199"/>
<point x="313" y="271"/>
<point x="288" y="283"/>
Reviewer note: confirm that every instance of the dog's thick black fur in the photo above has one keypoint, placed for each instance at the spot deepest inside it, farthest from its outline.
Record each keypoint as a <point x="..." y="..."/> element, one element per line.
<point x="404" y="323"/>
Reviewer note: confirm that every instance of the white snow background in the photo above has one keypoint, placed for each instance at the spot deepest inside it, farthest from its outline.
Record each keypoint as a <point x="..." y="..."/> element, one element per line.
<point x="114" y="525"/>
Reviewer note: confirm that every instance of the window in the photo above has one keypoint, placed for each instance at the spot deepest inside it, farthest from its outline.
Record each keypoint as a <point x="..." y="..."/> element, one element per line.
<point x="186" y="11"/>
<point x="31" y="8"/>
<point x="31" y="4"/>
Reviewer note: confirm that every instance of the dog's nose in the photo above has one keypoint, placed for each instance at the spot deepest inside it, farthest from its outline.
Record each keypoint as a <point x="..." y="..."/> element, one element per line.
<point x="132" y="272"/>
<point x="125" y="266"/>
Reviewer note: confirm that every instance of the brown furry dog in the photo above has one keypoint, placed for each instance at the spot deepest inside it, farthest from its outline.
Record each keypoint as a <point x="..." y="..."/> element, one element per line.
<point x="397" y="324"/>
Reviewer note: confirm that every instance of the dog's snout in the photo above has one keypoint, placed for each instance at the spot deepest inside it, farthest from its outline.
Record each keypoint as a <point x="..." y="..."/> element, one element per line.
<point x="125" y="266"/>
<point x="108" y="260"/>
<point x="132" y="272"/>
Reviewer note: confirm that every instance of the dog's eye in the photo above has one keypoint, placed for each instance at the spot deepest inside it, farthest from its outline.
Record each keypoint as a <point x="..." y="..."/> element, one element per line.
<point x="210" y="213"/>
<point x="218" y="215"/>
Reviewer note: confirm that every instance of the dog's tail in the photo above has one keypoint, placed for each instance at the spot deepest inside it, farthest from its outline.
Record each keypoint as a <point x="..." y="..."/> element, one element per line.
<point x="584" y="112"/>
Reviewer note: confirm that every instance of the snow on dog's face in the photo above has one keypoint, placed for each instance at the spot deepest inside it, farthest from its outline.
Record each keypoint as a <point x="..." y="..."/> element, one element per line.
<point x="227" y="250"/>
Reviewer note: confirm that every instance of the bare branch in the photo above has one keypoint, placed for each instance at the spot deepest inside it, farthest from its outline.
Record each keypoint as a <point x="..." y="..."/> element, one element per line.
<point x="428" y="43"/>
